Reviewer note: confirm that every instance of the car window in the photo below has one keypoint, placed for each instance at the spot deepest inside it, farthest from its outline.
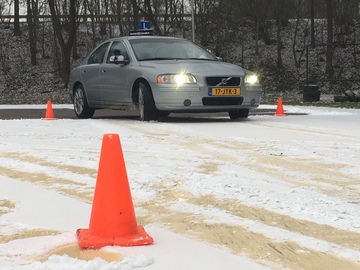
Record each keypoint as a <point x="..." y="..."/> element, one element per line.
<point x="117" y="45"/>
<point x="97" y="56"/>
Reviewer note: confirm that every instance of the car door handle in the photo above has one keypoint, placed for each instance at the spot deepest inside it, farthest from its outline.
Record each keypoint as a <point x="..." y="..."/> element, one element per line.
<point x="103" y="71"/>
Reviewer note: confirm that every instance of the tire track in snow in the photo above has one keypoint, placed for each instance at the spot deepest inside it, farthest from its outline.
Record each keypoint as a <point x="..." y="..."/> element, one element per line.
<point x="7" y="206"/>
<point x="316" y="132"/>
<point x="303" y="172"/>
<point x="43" y="176"/>
<point x="324" y="176"/>
<point x="240" y="239"/>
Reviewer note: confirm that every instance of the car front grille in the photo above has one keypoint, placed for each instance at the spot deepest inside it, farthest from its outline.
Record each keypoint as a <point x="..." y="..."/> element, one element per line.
<point x="223" y="81"/>
<point x="222" y="101"/>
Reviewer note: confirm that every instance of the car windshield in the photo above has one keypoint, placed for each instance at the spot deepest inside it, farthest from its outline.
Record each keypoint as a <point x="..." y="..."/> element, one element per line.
<point x="168" y="49"/>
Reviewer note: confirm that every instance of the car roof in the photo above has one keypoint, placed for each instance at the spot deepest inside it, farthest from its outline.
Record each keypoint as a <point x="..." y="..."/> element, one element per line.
<point x="143" y="38"/>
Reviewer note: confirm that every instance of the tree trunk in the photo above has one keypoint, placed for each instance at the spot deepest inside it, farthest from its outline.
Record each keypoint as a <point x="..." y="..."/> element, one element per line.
<point x="118" y="11"/>
<point x="151" y="17"/>
<point x="75" y="54"/>
<point x="279" y="46"/>
<point x="166" y="16"/>
<point x="329" y="47"/>
<point x="135" y="14"/>
<point x="297" y="63"/>
<point x="32" y="31"/>
<point x="65" y="47"/>
<point x="297" y="59"/>
<point x="257" y="25"/>
<point x="17" y="31"/>
<point x="312" y="22"/>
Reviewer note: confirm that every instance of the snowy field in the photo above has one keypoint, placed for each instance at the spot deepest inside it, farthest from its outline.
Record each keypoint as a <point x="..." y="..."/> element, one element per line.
<point x="268" y="192"/>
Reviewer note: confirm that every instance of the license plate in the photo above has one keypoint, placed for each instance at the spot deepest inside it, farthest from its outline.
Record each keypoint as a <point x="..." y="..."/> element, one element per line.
<point x="224" y="91"/>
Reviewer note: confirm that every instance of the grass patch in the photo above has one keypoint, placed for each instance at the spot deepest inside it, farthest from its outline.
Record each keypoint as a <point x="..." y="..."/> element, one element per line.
<point x="344" y="105"/>
<point x="298" y="101"/>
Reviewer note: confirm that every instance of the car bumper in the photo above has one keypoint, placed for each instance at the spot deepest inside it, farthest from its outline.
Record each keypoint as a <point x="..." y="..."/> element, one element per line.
<point x="194" y="98"/>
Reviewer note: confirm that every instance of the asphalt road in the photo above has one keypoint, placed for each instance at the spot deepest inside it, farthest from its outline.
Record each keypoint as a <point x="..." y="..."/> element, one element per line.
<point x="9" y="114"/>
<point x="61" y="114"/>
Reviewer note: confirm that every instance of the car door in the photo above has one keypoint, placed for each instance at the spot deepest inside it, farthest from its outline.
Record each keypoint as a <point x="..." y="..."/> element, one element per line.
<point x="115" y="88"/>
<point x="91" y="75"/>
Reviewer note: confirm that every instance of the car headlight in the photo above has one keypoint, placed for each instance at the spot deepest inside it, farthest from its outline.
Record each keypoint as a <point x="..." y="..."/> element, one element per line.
<point x="251" y="79"/>
<point x="178" y="79"/>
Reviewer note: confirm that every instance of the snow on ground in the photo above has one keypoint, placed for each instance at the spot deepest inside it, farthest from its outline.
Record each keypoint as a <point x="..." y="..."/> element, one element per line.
<point x="267" y="192"/>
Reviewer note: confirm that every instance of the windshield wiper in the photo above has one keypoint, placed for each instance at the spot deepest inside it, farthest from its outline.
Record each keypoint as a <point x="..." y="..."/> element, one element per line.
<point x="159" y="58"/>
<point x="206" y="59"/>
<point x="174" y="58"/>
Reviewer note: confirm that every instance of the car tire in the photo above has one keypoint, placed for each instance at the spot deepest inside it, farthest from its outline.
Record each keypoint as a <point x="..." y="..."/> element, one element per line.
<point x="81" y="106"/>
<point x="236" y="114"/>
<point x="147" y="107"/>
<point x="163" y="113"/>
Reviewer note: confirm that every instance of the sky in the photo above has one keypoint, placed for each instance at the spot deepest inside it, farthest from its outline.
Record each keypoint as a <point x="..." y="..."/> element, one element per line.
<point x="212" y="193"/>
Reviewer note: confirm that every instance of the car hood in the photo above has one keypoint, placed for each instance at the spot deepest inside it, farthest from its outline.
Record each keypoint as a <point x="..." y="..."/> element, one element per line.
<point x="195" y="67"/>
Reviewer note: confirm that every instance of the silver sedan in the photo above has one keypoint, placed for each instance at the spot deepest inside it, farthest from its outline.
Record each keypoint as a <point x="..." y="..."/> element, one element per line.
<point x="158" y="76"/>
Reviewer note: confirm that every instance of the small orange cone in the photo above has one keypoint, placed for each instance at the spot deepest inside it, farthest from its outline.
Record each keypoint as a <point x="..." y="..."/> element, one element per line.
<point x="280" y="109"/>
<point x="112" y="221"/>
<point x="49" y="115"/>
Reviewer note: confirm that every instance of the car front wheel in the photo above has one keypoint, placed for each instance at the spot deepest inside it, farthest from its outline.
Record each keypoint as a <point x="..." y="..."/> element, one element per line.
<point x="236" y="114"/>
<point x="81" y="107"/>
<point x="147" y="107"/>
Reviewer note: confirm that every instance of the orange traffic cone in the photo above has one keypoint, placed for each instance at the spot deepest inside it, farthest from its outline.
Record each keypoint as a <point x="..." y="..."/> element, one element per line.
<point x="49" y="115"/>
<point x="112" y="221"/>
<point x="280" y="109"/>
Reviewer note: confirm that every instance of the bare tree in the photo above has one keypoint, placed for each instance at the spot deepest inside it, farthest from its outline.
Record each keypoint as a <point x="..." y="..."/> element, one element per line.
<point x="281" y="10"/>
<point x="17" y="31"/>
<point x="90" y="6"/>
<point x="32" y="23"/>
<point x="344" y="16"/>
<point x="257" y="11"/>
<point x="312" y="22"/>
<point x="104" y="9"/>
<point x="147" y="11"/>
<point x="135" y="13"/>
<point x="296" y="6"/>
<point x="206" y="15"/>
<point x="173" y="10"/>
<point x="166" y="15"/>
<point x="330" y="36"/>
<point x="118" y="13"/>
<point x="65" y="47"/>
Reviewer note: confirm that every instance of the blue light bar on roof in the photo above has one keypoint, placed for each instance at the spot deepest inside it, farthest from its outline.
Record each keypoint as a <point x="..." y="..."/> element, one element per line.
<point x="144" y="25"/>
<point x="144" y="32"/>
<point x="144" y="29"/>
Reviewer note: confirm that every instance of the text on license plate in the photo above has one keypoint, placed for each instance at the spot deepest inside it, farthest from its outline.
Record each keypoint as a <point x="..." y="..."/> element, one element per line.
<point x="224" y="91"/>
